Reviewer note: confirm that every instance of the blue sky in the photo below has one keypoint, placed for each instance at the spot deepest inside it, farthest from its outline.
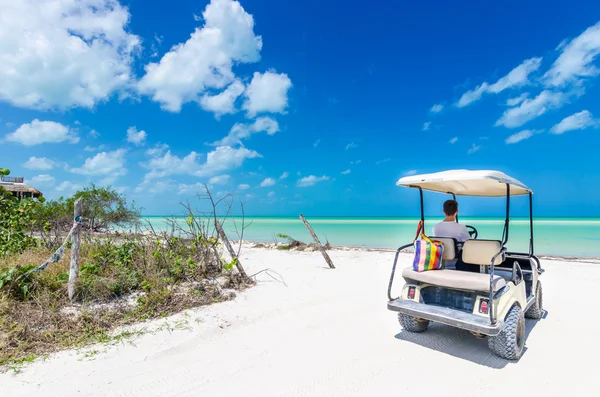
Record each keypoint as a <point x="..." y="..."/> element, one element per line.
<point x="301" y="106"/>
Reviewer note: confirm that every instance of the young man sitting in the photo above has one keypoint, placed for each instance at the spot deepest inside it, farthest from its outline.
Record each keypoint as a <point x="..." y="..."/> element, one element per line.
<point x="450" y="228"/>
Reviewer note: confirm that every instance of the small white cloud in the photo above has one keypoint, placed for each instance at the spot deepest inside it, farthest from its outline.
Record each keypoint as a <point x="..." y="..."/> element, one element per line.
<point x="311" y="180"/>
<point x="515" y="101"/>
<point x="219" y="180"/>
<point x="411" y="172"/>
<point x="517" y="77"/>
<point x="243" y="131"/>
<point x="271" y="194"/>
<point x="68" y="187"/>
<point x="529" y="109"/>
<point x="426" y="126"/>
<point x="157" y="150"/>
<point x="94" y="148"/>
<point x="351" y="145"/>
<point x="267" y="92"/>
<point x="77" y="122"/>
<point x="136" y="137"/>
<point x="576" y="59"/>
<point x="243" y="186"/>
<point x="284" y="175"/>
<point x="223" y="102"/>
<point x="346" y="172"/>
<point x="42" y="180"/>
<point x="169" y="164"/>
<point x="521" y="136"/>
<point x="94" y="134"/>
<point x="383" y="161"/>
<point x="577" y="121"/>
<point x="453" y="140"/>
<point x="183" y="188"/>
<point x="436" y="108"/>
<point x="268" y="182"/>
<point x="317" y="143"/>
<point x="38" y="132"/>
<point x="40" y="164"/>
<point x="473" y="149"/>
<point x="104" y="163"/>
<point x="355" y="162"/>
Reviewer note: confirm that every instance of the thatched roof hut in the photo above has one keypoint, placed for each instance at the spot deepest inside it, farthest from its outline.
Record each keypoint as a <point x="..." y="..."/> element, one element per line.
<point x="18" y="189"/>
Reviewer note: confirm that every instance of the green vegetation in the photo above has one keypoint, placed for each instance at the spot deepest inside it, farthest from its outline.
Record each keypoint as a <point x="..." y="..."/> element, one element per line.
<point x="123" y="279"/>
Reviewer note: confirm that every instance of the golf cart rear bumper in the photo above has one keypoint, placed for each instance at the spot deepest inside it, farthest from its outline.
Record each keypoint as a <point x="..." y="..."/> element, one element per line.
<point x="454" y="318"/>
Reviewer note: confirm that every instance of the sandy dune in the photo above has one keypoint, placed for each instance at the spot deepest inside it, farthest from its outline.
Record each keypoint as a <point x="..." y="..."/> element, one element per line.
<point x="328" y="333"/>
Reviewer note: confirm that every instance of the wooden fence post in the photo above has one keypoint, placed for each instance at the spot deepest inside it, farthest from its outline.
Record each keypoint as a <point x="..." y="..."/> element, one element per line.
<point x="230" y="249"/>
<point x="319" y="246"/>
<point x="75" y="241"/>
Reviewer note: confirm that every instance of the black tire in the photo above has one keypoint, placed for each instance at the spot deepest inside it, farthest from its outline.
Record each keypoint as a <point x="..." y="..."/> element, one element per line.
<point x="510" y="341"/>
<point x="412" y="324"/>
<point x="536" y="310"/>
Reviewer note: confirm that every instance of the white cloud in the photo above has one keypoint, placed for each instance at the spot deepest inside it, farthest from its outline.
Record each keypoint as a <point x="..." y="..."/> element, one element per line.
<point x="532" y="108"/>
<point x="93" y="148"/>
<point x="38" y="132"/>
<point x="517" y="77"/>
<point x="136" y="137"/>
<point x="577" y="121"/>
<point x="346" y="172"/>
<point x="576" y="58"/>
<point x="68" y="187"/>
<point x="219" y="180"/>
<point x="311" y="180"/>
<point x="521" y="136"/>
<point x="267" y="92"/>
<point x="157" y="150"/>
<point x="224" y="158"/>
<point x="383" y="161"/>
<point x="60" y="54"/>
<point x="437" y="108"/>
<point x="223" y="102"/>
<point x="284" y="175"/>
<point x="317" y="143"/>
<point x="94" y="134"/>
<point x="453" y="140"/>
<point x="351" y="145"/>
<point x="243" y="186"/>
<point x="515" y="101"/>
<point x="426" y="126"/>
<point x="205" y="60"/>
<point x="168" y="164"/>
<point x="411" y="172"/>
<point x="104" y="163"/>
<point x="271" y="194"/>
<point x="40" y="163"/>
<point x="356" y="162"/>
<point x="473" y="149"/>
<point x="268" y="182"/>
<point x="42" y="180"/>
<point x="242" y="131"/>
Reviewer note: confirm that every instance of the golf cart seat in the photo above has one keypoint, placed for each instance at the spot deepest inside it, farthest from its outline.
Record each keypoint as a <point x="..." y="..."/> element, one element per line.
<point x="450" y="247"/>
<point x="475" y="252"/>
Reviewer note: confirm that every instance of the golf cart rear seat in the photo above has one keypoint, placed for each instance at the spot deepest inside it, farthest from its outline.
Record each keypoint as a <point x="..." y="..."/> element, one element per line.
<point x="475" y="252"/>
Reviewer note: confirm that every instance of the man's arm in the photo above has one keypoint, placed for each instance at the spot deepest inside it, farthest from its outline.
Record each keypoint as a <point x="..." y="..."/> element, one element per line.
<point x="464" y="233"/>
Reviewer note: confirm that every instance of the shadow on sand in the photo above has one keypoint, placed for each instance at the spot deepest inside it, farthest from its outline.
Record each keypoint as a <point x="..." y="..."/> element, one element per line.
<point x="462" y="344"/>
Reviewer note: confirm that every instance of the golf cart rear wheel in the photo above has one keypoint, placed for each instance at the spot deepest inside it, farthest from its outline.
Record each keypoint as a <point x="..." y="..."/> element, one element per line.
<point x="536" y="310"/>
<point x="412" y="324"/>
<point x="510" y="341"/>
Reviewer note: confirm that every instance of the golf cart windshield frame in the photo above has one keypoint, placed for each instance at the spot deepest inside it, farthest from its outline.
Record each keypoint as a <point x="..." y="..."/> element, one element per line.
<point x="503" y="251"/>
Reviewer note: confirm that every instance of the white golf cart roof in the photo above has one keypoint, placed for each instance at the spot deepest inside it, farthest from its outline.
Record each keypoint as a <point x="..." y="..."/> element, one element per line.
<point x="467" y="183"/>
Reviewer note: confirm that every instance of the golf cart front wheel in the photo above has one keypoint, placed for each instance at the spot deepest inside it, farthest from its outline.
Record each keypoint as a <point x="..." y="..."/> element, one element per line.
<point x="536" y="310"/>
<point x="412" y="324"/>
<point x="510" y="341"/>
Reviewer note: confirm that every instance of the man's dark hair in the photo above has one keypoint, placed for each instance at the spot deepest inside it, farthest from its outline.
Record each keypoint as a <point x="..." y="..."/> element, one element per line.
<point x="450" y="207"/>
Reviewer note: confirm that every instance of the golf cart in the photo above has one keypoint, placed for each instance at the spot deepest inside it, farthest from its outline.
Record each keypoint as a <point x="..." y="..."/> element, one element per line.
<point x="492" y="303"/>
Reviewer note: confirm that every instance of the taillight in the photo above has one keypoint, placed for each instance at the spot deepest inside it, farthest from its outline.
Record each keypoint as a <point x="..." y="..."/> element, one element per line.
<point x="483" y="306"/>
<point x="411" y="292"/>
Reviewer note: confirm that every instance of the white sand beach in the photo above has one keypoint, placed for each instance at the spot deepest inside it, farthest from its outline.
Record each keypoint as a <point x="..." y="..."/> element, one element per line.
<point x="329" y="333"/>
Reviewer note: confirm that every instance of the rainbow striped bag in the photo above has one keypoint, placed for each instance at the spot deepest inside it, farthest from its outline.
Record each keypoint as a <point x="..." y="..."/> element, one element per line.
<point x="428" y="252"/>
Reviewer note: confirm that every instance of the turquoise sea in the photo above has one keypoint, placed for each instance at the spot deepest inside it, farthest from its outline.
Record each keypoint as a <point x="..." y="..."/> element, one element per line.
<point x="576" y="237"/>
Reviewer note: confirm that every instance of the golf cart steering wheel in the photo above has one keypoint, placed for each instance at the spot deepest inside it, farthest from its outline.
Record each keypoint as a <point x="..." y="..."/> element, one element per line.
<point x="472" y="231"/>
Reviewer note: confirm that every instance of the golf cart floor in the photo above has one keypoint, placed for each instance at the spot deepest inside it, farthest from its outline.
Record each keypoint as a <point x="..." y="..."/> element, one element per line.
<point x="444" y="315"/>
